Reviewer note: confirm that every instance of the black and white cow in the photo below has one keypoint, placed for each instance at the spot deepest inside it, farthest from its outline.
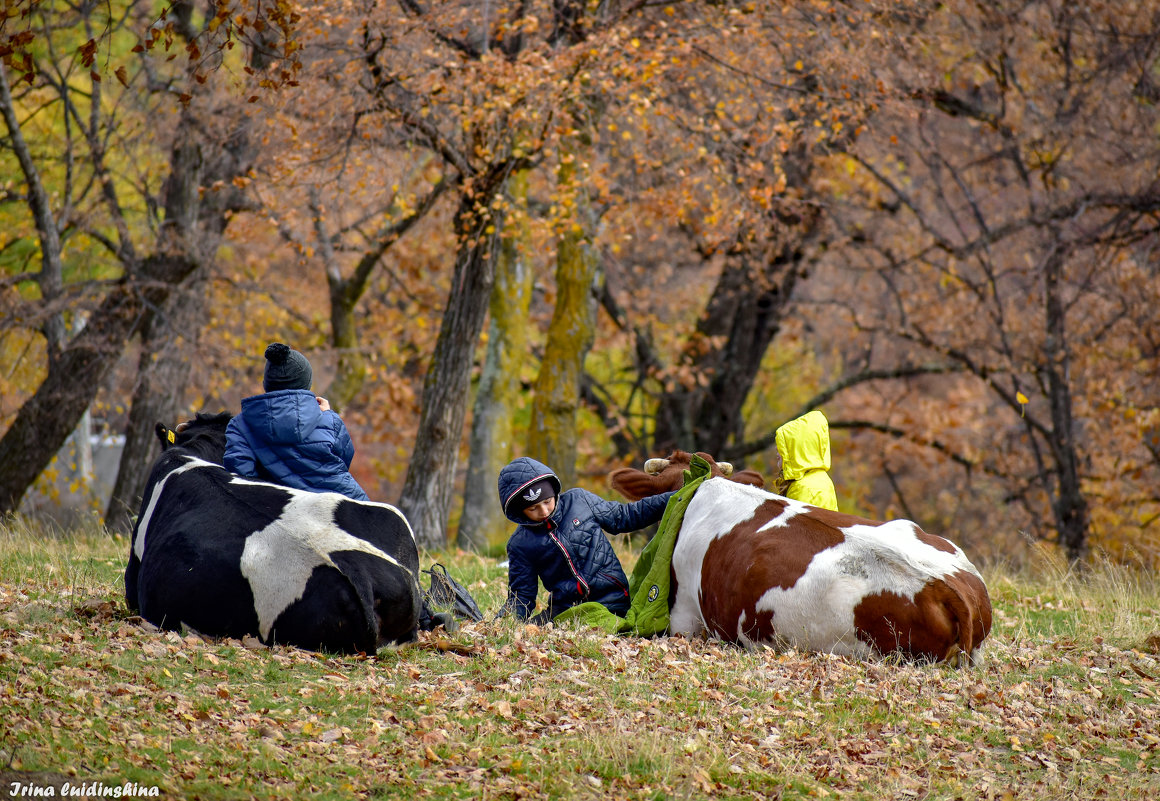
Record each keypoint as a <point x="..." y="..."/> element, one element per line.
<point x="228" y="556"/>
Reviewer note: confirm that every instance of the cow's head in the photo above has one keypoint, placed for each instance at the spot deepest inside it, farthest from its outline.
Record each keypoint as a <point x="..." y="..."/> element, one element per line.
<point x="204" y="436"/>
<point x="665" y="475"/>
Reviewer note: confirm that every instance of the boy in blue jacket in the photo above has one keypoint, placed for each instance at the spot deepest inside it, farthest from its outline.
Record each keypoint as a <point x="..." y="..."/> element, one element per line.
<point x="289" y="435"/>
<point x="560" y="541"/>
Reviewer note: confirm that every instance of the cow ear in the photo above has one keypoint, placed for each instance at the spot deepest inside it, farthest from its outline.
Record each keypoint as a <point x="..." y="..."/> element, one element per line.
<point x="166" y="436"/>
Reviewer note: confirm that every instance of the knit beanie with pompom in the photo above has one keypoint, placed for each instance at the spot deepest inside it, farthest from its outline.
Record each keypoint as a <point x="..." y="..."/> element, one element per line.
<point x="285" y="369"/>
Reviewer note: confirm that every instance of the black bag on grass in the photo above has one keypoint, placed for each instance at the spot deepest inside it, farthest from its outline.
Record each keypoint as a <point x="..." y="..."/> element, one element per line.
<point x="446" y="600"/>
<point x="448" y="594"/>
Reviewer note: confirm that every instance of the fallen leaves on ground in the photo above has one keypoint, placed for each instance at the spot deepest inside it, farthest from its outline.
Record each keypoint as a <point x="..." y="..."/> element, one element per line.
<point x="526" y="711"/>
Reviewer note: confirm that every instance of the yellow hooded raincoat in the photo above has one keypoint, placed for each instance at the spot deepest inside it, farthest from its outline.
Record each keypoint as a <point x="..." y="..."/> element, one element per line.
<point x="804" y="445"/>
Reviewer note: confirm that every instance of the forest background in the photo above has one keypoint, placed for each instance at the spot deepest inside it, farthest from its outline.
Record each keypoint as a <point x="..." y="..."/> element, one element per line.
<point x="591" y="231"/>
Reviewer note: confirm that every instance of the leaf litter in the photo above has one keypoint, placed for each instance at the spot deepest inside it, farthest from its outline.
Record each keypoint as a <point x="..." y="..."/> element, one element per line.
<point x="514" y="711"/>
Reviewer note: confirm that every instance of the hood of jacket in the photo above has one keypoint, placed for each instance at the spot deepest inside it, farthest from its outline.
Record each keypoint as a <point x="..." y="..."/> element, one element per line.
<point x="282" y="417"/>
<point x="515" y="476"/>
<point x="804" y="445"/>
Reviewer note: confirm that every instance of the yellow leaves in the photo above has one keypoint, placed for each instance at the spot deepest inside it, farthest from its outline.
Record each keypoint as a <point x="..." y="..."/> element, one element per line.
<point x="1023" y="400"/>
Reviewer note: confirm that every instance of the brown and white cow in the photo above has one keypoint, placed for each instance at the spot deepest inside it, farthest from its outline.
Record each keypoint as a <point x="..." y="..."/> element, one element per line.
<point x="752" y="567"/>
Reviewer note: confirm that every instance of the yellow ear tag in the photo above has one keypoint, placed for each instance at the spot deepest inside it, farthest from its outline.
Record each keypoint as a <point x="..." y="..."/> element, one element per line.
<point x="171" y="437"/>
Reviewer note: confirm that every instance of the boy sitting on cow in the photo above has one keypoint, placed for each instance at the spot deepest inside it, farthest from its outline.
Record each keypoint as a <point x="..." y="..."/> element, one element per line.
<point x="289" y="435"/>
<point x="560" y="541"/>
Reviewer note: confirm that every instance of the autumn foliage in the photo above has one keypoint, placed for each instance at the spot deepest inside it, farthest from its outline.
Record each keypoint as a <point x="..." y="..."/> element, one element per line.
<point x="936" y="222"/>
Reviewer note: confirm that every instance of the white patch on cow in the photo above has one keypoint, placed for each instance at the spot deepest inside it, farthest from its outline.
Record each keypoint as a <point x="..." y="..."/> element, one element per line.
<point x="817" y="613"/>
<point x="278" y="560"/>
<point x="158" y="488"/>
<point x="718" y="506"/>
<point x="236" y="479"/>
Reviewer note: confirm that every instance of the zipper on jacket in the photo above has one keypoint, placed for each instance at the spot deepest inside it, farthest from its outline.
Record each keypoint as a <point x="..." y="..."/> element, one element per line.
<point x="581" y="584"/>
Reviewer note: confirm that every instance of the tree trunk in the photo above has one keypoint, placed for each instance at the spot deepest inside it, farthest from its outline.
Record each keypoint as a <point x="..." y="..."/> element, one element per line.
<point x="429" y="486"/>
<point x="725" y="352"/>
<point x="497" y="396"/>
<point x="352" y="365"/>
<point x="1069" y="504"/>
<point x="45" y="420"/>
<point x="194" y="222"/>
<point x="345" y="294"/>
<point x="199" y="194"/>
<point x="552" y="433"/>
<point x="168" y="343"/>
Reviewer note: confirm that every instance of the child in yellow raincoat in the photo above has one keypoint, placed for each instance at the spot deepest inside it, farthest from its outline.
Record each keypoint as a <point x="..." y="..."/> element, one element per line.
<point x="803" y="450"/>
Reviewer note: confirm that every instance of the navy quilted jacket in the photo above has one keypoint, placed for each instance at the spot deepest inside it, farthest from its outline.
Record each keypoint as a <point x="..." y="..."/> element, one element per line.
<point x="285" y="437"/>
<point x="568" y="551"/>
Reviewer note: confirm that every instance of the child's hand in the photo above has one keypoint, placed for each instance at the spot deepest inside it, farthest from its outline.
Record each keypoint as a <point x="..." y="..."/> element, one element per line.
<point x="323" y="403"/>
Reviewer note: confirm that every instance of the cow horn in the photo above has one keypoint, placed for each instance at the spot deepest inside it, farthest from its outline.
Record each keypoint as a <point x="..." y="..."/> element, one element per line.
<point x="654" y="466"/>
<point x="725" y="468"/>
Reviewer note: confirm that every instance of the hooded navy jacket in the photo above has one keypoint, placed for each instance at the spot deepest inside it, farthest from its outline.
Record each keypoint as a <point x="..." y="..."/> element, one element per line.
<point x="285" y="437"/>
<point x="568" y="551"/>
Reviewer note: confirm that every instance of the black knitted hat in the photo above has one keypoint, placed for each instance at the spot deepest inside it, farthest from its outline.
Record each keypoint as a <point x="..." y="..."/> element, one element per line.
<point x="285" y="369"/>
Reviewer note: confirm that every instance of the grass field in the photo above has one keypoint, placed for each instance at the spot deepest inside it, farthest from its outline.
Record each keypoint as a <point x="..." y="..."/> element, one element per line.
<point x="1065" y="706"/>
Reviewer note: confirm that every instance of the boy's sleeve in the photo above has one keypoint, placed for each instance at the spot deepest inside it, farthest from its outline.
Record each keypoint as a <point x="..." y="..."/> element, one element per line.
<point x="618" y="518"/>
<point x="343" y="446"/>
<point x="523" y="585"/>
<point x="239" y="457"/>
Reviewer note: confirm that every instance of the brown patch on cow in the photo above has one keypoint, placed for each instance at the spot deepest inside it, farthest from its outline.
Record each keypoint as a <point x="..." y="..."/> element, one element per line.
<point x="934" y="541"/>
<point x="947" y="616"/>
<point x="635" y="484"/>
<point x="840" y="520"/>
<point x="741" y="567"/>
